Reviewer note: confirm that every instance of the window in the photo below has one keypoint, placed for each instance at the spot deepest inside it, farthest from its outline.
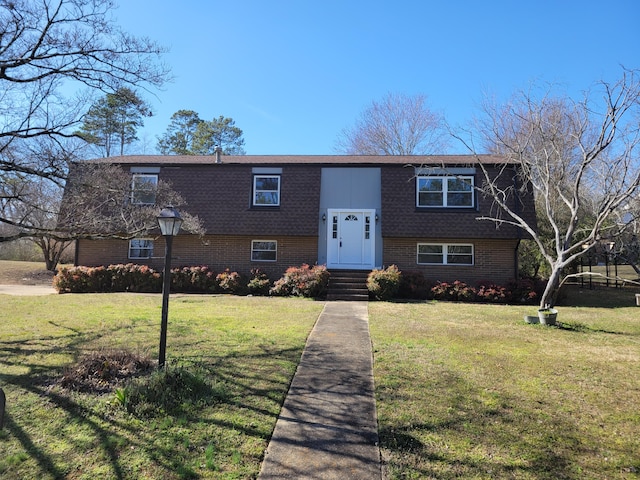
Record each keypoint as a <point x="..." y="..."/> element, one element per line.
<point x="143" y="189"/>
<point x="452" y="192"/>
<point x="264" y="250"/>
<point x="266" y="190"/>
<point x="140" y="248"/>
<point x="445" y="254"/>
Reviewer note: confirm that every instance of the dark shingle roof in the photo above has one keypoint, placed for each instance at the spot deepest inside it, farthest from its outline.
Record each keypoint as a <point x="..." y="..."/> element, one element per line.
<point x="307" y="159"/>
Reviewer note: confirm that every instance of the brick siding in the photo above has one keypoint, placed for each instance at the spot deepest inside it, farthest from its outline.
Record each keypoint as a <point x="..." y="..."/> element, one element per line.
<point x="216" y="251"/>
<point x="494" y="259"/>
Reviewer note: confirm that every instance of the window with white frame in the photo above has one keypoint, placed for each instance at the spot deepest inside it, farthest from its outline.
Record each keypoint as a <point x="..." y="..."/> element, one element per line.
<point x="264" y="250"/>
<point x="143" y="189"/>
<point x="140" y="248"/>
<point x="445" y="254"/>
<point x="444" y="191"/>
<point x="266" y="190"/>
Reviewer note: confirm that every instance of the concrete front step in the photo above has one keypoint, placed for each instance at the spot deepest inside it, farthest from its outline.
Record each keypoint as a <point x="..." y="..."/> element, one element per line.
<point x="348" y="285"/>
<point x="353" y="297"/>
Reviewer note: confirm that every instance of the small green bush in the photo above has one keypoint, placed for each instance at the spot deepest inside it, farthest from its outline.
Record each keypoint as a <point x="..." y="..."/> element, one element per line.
<point x="384" y="284"/>
<point x="259" y="283"/>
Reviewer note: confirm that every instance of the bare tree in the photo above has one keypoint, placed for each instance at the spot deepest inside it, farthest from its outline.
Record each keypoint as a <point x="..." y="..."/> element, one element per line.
<point x="46" y="45"/>
<point x="398" y="125"/>
<point x="579" y="157"/>
<point x="99" y="203"/>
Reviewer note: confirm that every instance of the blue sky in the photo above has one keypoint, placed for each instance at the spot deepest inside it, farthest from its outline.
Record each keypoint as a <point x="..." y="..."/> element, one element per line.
<point x="293" y="74"/>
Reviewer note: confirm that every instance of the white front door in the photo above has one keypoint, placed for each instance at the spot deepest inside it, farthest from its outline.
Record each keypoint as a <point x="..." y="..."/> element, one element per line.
<point x="350" y="239"/>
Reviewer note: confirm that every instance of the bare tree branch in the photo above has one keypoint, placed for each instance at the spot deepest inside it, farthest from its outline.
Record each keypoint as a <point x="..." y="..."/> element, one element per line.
<point x="398" y="125"/>
<point x="580" y="158"/>
<point x="47" y="49"/>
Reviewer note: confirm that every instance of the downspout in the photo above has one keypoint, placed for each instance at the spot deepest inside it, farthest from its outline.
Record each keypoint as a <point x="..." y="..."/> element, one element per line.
<point x="76" y="254"/>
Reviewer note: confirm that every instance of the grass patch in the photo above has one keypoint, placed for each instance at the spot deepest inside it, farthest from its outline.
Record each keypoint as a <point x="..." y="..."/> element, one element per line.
<point x="463" y="391"/>
<point x="471" y="391"/>
<point x="24" y="273"/>
<point x="230" y="360"/>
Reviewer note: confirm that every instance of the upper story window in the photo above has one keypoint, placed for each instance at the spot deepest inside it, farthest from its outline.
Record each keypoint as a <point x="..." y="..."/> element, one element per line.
<point x="266" y="190"/>
<point x="143" y="189"/>
<point x="140" y="248"/>
<point x="443" y="191"/>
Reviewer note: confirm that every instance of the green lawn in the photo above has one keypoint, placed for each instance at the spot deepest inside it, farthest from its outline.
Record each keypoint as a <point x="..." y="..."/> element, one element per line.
<point x="250" y="347"/>
<point x="471" y="391"/>
<point x="463" y="391"/>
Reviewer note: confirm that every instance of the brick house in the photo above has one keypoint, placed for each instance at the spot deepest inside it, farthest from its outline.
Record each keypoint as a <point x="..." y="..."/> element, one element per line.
<point x="347" y="212"/>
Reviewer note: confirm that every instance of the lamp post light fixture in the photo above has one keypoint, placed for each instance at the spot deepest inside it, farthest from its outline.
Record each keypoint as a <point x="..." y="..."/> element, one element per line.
<point x="170" y="223"/>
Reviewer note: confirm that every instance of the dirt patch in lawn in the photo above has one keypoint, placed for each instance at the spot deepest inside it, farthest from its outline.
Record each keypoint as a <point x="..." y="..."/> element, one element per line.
<point x="102" y="372"/>
<point x="24" y="273"/>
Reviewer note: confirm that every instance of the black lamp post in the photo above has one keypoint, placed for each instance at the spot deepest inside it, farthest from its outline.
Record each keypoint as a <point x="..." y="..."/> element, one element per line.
<point x="170" y="222"/>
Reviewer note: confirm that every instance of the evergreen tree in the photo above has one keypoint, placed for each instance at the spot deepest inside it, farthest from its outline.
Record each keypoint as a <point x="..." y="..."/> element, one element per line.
<point x="112" y="122"/>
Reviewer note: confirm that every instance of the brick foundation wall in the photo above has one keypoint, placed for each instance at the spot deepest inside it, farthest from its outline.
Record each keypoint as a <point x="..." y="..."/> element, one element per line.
<point x="216" y="251"/>
<point x="493" y="260"/>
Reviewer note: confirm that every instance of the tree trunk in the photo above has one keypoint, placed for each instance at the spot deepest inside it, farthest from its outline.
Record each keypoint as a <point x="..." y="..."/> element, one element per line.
<point x="550" y="294"/>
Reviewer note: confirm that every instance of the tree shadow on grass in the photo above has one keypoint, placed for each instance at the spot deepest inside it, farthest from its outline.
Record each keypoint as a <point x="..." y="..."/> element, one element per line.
<point x="164" y="447"/>
<point x="582" y="328"/>
<point x="501" y="438"/>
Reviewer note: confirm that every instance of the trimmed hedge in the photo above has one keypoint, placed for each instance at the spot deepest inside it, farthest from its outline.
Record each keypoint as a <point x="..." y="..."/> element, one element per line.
<point x="303" y="281"/>
<point x="114" y="278"/>
<point x="391" y="283"/>
<point x="525" y="291"/>
<point x="142" y="279"/>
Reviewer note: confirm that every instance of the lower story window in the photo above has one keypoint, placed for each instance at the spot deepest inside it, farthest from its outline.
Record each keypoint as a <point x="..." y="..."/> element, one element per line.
<point x="140" y="248"/>
<point x="445" y="254"/>
<point x="264" y="250"/>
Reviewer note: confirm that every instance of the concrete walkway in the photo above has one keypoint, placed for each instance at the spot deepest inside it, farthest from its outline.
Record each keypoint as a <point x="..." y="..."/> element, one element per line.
<point x="327" y="428"/>
<point x="27" y="290"/>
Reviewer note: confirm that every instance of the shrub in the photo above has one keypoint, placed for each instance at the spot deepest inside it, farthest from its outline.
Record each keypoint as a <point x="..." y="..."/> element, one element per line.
<point x="228" y="281"/>
<point x="525" y="290"/>
<point x="303" y="281"/>
<point x="259" y="283"/>
<point x="82" y="280"/>
<point x="490" y="292"/>
<point x="384" y="284"/>
<point x="457" y="291"/>
<point x="114" y="278"/>
<point x="413" y="284"/>
<point x="198" y="279"/>
<point x="134" y="278"/>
